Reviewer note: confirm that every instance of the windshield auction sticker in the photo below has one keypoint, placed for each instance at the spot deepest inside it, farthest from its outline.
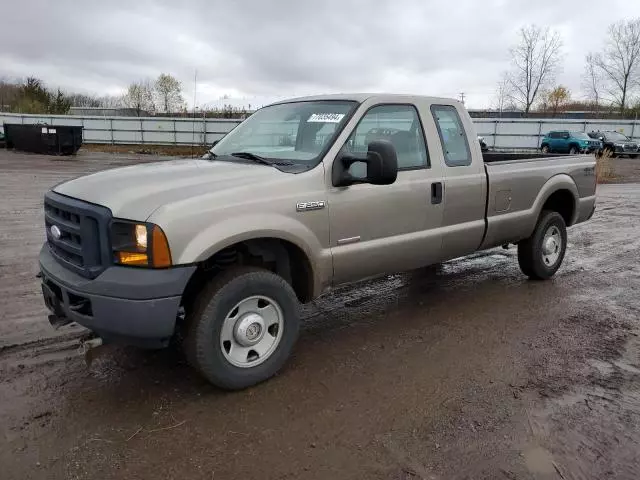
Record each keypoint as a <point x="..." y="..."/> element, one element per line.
<point x="325" y="118"/>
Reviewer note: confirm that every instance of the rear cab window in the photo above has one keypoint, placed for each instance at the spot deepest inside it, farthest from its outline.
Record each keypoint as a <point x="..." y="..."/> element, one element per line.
<point x="453" y="136"/>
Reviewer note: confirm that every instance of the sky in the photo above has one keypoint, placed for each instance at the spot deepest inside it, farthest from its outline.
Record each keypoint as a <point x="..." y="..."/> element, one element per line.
<point x="252" y="52"/>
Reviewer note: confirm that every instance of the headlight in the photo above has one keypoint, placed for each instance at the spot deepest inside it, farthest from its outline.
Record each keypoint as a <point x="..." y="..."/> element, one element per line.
<point x="141" y="236"/>
<point x="139" y="244"/>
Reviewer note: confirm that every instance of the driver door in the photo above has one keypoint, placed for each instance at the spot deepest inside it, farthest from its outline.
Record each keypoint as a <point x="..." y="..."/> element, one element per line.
<point x="377" y="229"/>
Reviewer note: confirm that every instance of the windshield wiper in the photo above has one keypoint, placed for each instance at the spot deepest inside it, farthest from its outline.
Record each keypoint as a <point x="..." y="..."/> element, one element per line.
<point x="254" y="157"/>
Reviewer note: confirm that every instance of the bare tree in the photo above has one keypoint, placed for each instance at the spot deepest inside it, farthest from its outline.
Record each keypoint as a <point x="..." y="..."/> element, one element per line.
<point x="169" y="93"/>
<point x="592" y="81"/>
<point x="502" y="98"/>
<point x="111" y="101"/>
<point x="83" y="100"/>
<point x="139" y="96"/>
<point x="534" y="64"/>
<point x="620" y="61"/>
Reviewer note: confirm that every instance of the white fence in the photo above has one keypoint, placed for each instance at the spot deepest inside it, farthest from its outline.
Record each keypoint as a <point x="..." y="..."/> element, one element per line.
<point x="520" y="133"/>
<point x="135" y="130"/>
<point x="501" y="133"/>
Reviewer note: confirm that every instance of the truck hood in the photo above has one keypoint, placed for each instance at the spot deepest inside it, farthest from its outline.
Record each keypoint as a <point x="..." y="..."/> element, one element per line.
<point x="135" y="192"/>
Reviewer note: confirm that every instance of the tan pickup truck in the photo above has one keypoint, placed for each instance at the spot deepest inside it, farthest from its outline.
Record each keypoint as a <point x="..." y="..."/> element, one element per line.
<point x="303" y="195"/>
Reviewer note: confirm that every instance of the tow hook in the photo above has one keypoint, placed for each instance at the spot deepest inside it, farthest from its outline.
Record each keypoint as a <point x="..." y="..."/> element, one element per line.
<point x="91" y="349"/>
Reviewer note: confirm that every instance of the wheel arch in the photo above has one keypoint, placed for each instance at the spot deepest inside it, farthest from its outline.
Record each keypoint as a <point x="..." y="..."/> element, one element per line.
<point x="559" y="194"/>
<point x="276" y="253"/>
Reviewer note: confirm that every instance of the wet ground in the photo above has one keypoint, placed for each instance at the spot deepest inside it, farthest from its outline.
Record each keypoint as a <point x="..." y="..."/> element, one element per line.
<point x="470" y="371"/>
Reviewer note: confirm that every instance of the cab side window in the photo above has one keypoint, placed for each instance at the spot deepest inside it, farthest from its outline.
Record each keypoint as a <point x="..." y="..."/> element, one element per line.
<point x="398" y="124"/>
<point x="452" y="136"/>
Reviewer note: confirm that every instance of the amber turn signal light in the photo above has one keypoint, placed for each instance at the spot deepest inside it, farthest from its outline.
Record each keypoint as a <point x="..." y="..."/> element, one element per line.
<point x="132" y="258"/>
<point x="161" y="255"/>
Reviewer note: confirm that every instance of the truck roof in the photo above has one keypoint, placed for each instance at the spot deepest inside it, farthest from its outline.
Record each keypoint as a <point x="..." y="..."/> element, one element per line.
<point x="376" y="97"/>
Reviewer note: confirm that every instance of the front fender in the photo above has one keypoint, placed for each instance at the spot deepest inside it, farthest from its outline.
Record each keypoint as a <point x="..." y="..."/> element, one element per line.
<point x="230" y="231"/>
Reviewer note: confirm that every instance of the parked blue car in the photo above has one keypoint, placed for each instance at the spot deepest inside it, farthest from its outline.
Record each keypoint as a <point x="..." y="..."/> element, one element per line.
<point x="564" y="141"/>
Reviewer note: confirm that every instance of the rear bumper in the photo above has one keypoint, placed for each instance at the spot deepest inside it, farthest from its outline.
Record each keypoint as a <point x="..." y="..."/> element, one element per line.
<point x="131" y="306"/>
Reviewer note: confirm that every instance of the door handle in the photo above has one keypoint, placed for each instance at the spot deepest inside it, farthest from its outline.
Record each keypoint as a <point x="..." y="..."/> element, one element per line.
<point x="436" y="193"/>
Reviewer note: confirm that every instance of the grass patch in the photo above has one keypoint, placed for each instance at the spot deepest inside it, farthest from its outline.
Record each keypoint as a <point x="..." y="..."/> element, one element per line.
<point x="604" y="168"/>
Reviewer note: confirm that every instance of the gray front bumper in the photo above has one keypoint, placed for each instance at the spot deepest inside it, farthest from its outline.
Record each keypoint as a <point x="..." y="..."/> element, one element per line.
<point x="126" y="305"/>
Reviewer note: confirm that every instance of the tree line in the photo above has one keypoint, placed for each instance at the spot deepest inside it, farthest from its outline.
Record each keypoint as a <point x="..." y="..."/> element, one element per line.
<point x="164" y="95"/>
<point x="611" y="79"/>
<point x="32" y="96"/>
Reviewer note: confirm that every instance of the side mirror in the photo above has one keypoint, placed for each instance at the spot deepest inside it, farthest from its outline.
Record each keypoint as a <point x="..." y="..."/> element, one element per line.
<point x="381" y="162"/>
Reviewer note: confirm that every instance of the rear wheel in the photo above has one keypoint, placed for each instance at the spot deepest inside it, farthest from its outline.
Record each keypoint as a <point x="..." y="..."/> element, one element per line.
<point x="242" y="328"/>
<point x="545" y="149"/>
<point x="541" y="255"/>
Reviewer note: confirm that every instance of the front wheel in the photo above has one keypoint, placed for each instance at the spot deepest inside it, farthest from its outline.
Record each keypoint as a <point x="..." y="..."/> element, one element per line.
<point x="242" y="327"/>
<point x="573" y="151"/>
<point x="545" y="149"/>
<point x="541" y="255"/>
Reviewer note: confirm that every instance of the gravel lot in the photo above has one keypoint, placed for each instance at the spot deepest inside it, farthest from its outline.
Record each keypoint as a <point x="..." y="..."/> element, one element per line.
<point x="470" y="371"/>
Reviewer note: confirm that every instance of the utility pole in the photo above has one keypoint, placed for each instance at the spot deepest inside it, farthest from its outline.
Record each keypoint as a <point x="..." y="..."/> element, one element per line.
<point x="193" y="120"/>
<point x="462" y="95"/>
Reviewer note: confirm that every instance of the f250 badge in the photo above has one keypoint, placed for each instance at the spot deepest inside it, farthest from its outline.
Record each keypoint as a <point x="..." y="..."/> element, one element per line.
<point x="306" y="206"/>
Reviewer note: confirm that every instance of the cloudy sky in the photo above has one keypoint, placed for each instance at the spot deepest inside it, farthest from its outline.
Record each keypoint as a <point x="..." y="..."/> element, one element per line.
<point x="255" y="51"/>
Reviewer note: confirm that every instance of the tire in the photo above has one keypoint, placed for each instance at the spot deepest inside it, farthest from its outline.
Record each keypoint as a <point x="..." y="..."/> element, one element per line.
<point x="210" y="341"/>
<point x="536" y="262"/>
<point x="573" y="151"/>
<point x="545" y="149"/>
<point x="610" y="153"/>
<point x="633" y="156"/>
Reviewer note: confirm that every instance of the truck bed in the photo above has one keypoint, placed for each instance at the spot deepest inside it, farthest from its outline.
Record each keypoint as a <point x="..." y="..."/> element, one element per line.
<point x="517" y="184"/>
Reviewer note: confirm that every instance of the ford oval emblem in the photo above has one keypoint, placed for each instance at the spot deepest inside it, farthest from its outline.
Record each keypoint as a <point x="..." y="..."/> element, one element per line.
<point x="55" y="232"/>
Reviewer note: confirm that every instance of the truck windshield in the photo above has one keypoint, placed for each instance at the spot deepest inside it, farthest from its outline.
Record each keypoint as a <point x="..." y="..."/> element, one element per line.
<point x="296" y="133"/>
